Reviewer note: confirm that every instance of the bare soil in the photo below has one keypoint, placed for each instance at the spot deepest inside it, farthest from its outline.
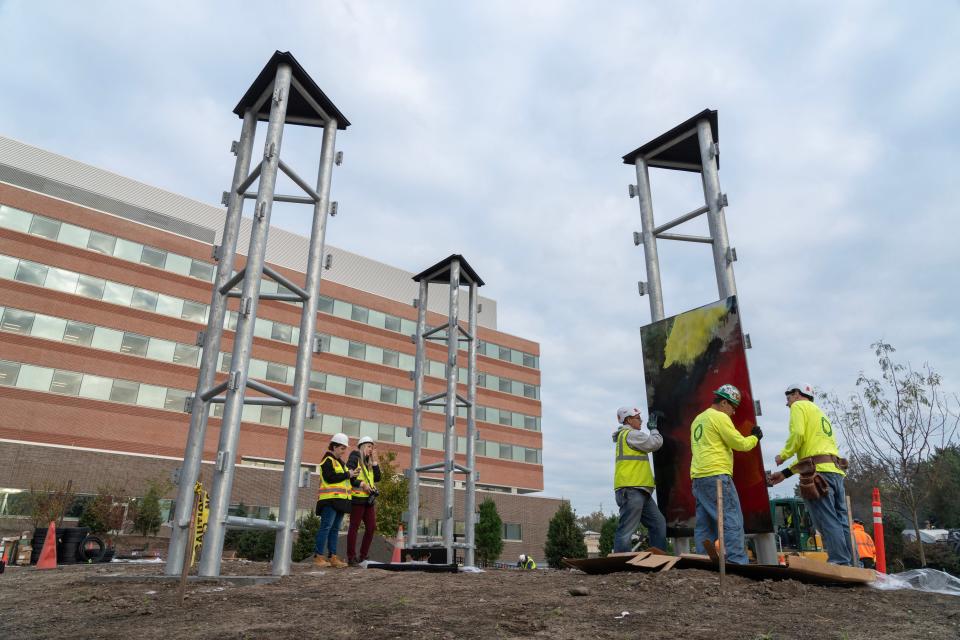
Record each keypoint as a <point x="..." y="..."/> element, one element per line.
<point x="368" y="604"/>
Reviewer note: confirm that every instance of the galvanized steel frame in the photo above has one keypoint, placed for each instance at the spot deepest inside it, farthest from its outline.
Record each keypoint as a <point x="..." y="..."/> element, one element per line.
<point x="724" y="255"/>
<point x="453" y="335"/>
<point x="249" y="279"/>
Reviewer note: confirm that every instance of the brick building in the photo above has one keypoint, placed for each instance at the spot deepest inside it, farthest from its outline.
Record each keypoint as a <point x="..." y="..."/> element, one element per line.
<point x="104" y="285"/>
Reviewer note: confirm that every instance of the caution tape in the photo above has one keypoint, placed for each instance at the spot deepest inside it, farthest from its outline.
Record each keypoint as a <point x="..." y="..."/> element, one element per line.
<point x="201" y="517"/>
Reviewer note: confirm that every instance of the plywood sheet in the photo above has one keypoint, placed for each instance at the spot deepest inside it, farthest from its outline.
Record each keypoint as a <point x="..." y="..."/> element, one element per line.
<point x="685" y="358"/>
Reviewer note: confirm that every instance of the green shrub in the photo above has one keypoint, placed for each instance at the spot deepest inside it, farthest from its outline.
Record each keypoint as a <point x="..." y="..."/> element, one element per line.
<point x="564" y="537"/>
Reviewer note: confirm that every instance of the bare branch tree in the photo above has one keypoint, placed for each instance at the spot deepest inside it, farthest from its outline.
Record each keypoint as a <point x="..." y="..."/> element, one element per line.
<point x="895" y="423"/>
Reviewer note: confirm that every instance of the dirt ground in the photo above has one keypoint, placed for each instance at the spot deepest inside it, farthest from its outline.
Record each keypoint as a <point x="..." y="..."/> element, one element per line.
<point x="369" y="604"/>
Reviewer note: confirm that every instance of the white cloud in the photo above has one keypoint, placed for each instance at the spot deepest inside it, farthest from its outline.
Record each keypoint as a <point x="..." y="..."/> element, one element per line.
<point x="495" y="129"/>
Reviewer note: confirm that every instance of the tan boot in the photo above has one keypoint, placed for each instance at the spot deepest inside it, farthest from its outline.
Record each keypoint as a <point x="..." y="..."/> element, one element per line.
<point x="337" y="563"/>
<point x="320" y="562"/>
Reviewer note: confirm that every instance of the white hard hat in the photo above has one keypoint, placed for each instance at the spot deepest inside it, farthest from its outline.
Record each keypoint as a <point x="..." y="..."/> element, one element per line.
<point x="340" y="438"/>
<point x="729" y="393"/>
<point x="625" y="412"/>
<point x="804" y="388"/>
<point x="523" y="558"/>
<point x="365" y="440"/>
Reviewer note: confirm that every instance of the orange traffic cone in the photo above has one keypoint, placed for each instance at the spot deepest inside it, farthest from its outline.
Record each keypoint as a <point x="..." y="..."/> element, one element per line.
<point x="398" y="547"/>
<point x="48" y="556"/>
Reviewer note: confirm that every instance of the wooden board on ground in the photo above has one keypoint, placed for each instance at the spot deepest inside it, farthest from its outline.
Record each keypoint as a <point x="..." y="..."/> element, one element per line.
<point x="655" y="562"/>
<point x="801" y="569"/>
<point x="851" y="575"/>
<point x="609" y="564"/>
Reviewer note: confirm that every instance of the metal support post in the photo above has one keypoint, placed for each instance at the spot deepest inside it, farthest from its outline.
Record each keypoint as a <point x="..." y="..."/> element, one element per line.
<point x="200" y="411"/>
<point x="420" y="360"/>
<point x="654" y="290"/>
<point x="455" y="273"/>
<point x="243" y="341"/>
<point x="450" y="415"/>
<point x="715" y="218"/>
<point x="470" y="501"/>
<point x="301" y="380"/>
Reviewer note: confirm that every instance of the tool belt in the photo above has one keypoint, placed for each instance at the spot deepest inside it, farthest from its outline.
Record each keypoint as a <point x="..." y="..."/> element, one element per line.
<point x="812" y="485"/>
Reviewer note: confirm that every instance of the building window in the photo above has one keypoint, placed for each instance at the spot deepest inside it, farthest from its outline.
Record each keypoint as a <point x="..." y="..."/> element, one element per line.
<point x="16" y="321"/>
<point x="8" y="373"/>
<point x="354" y="388"/>
<point x="154" y="257"/>
<point x="357" y="350"/>
<point x="391" y="323"/>
<point x="66" y="382"/>
<point x="134" y="345"/>
<point x="511" y="531"/>
<point x="45" y="227"/>
<point x="79" y="333"/>
<point x="101" y="242"/>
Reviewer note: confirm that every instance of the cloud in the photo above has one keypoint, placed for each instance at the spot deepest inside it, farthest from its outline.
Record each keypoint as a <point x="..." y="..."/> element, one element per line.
<point x="495" y="129"/>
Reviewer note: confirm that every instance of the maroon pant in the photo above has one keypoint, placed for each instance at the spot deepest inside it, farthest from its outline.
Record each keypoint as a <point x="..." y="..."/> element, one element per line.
<point x="367" y="514"/>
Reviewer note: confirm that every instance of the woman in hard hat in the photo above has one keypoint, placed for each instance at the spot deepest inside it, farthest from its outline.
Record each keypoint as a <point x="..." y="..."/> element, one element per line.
<point x="333" y="501"/>
<point x="364" y="496"/>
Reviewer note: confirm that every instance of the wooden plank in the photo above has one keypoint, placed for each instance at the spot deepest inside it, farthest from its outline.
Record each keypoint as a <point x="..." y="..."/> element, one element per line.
<point x="669" y="564"/>
<point x="609" y="564"/>
<point x="628" y="554"/>
<point x="650" y="562"/>
<point x="831" y="571"/>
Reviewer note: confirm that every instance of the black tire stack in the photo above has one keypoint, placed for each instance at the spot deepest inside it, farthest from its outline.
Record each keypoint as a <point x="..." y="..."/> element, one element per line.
<point x="74" y="544"/>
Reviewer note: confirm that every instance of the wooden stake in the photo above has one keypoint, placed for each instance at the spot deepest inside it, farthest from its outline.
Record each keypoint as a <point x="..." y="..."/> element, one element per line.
<point x="722" y="551"/>
<point x="188" y="552"/>
<point x="854" y="556"/>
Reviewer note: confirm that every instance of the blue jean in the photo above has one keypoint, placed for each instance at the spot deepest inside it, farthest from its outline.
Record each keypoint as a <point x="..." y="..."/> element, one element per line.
<point x="329" y="531"/>
<point x="705" y="492"/>
<point x="829" y="515"/>
<point x="637" y="506"/>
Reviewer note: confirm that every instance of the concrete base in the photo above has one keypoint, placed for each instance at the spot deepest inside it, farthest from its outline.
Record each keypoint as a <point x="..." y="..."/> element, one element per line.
<point x="238" y="581"/>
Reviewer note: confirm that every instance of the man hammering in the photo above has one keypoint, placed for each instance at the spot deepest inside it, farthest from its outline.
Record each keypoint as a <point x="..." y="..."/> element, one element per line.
<point x="633" y="481"/>
<point x="821" y="471"/>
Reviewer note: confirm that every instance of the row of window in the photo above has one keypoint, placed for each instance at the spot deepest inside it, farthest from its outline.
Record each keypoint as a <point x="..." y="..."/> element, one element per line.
<point x="71" y="331"/>
<point x="86" y="385"/>
<point x="86" y="286"/>
<point x="433" y="528"/>
<point x="73" y="235"/>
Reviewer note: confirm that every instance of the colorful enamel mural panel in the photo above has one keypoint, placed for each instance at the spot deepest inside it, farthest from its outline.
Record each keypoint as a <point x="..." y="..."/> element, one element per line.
<point x="685" y="358"/>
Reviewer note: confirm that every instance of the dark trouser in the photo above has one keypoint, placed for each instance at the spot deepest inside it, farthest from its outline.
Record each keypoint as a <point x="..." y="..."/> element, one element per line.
<point x="367" y="514"/>
<point x="829" y="515"/>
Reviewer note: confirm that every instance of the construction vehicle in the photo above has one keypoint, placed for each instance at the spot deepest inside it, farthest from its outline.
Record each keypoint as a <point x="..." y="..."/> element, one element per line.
<point x="794" y="529"/>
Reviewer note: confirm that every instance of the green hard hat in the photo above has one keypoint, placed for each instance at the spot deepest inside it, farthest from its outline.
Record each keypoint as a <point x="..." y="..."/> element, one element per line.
<point x="730" y="393"/>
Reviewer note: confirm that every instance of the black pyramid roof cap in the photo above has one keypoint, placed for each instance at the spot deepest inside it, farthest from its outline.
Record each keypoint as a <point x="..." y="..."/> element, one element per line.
<point x="440" y="272"/>
<point x="298" y="107"/>
<point x="686" y="151"/>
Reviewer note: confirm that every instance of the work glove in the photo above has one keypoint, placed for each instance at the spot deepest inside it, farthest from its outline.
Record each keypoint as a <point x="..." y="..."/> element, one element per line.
<point x="757" y="431"/>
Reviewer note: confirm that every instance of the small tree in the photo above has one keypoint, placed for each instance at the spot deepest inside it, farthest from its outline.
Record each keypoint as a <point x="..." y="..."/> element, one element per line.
<point x="564" y="537"/>
<point x="489" y="533"/>
<point x="607" y="532"/>
<point x="592" y="522"/>
<point x="392" y="501"/>
<point x="306" y="541"/>
<point x="106" y="511"/>
<point x="146" y="517"/>
<point x="49" y="503"/>
<point x="895" y="423"/>
<point x="257" y="545"/>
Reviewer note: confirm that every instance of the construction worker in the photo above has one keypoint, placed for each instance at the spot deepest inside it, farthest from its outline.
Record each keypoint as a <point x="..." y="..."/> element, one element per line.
<point x="333" y="501"/>
<point x="363" y="498"/>
<point x="820" y="468"/>
<point x="526" y="562"/>
<point x="713" y="439"/>
<point x="866" y="550"/>
<point x="633" y="483"/>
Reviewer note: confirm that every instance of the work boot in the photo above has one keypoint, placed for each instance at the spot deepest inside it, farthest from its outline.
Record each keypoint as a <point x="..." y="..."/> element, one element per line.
<point x="352" y="562"/>
<point x="320" y="562"/>
<point x="336" y="562"/>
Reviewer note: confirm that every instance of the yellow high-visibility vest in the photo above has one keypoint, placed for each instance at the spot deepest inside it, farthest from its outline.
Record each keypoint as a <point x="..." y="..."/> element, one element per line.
<point x="811" y="434"/>
<point x="336" y="490"/>
<point x="632" y="465"/>
<point x="366" y="475"/>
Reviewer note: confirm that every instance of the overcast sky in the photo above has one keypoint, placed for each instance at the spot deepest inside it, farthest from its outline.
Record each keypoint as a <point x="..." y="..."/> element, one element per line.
<point x="495" y="130"/>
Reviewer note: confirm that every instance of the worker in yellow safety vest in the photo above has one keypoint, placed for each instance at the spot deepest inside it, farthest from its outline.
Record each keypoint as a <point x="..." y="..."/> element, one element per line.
<point x="526" y="562"/>
<point x="333" y="501"/>
<point x="866" y="550"/>
<point x="363" y="498"/>
<point x="820" y="468"/>
<point x="633" y="482"/>
<point x="713" y="439"/>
